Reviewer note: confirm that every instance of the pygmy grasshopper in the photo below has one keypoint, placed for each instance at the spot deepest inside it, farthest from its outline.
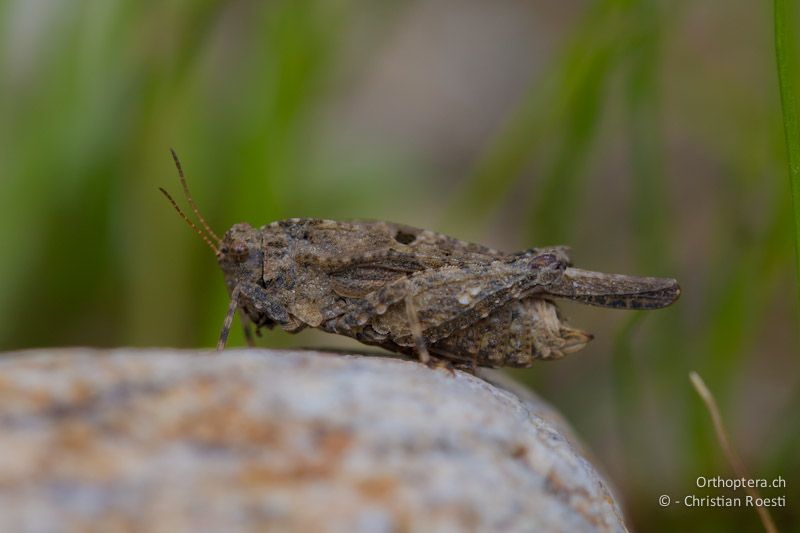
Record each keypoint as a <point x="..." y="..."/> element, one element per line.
<point x="413" y="291"/>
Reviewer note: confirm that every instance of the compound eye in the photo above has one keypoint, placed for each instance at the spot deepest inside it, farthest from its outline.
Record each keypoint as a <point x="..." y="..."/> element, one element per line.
<point x="239" y="251"/>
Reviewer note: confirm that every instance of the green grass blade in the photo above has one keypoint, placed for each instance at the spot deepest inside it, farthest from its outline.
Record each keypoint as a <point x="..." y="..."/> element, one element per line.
<point x="787" y="75"/>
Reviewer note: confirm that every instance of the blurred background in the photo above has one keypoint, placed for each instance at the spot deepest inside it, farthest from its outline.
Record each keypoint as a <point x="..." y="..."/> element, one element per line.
<point x="645" y="134"/>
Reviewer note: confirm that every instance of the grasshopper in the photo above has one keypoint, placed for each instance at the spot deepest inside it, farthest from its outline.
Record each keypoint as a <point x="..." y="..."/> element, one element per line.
<point x="412" y="291"/>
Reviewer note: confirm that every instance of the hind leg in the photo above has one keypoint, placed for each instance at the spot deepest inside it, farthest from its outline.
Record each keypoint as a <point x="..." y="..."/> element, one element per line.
<point x="416" y="331"/>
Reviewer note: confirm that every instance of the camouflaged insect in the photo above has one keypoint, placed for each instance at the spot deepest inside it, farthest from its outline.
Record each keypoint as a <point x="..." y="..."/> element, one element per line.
<point x="414" y="291"/>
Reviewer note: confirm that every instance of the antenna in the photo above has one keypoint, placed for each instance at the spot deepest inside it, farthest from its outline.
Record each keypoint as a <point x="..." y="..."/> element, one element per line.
<point x="189" y="197"/>
<point x="191" y="224"/>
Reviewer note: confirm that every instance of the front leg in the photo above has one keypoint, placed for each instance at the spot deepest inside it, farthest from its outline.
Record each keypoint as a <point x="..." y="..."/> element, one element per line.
<point x="258" y="305"/>
<point x="226" y="326"/>
<point x="248" y="335"/>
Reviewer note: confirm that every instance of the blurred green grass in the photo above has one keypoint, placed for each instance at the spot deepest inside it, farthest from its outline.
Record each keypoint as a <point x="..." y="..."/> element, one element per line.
<point x="93" y="94"/>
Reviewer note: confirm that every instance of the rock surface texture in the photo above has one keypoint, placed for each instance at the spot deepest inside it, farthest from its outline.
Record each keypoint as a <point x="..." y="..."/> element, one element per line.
<point x="164" y="440"/>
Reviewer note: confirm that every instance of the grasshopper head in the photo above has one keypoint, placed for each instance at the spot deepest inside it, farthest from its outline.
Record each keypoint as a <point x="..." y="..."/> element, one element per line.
<point x="240" y="255"/>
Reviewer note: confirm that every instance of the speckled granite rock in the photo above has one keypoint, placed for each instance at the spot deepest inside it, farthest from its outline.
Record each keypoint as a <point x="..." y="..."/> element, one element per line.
<point x="163" y="440"/>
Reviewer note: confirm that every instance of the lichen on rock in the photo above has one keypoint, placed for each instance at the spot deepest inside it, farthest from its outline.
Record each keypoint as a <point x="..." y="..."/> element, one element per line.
<point x="281" y="440"/>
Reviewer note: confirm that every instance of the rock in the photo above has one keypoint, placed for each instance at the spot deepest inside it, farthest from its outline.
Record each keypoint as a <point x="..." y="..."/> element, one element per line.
<point x="165" y="440"/>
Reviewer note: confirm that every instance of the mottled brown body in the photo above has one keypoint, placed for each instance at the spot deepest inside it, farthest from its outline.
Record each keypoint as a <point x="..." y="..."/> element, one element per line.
<point x="413" y="291"/>
<point x="475" y="305"/>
